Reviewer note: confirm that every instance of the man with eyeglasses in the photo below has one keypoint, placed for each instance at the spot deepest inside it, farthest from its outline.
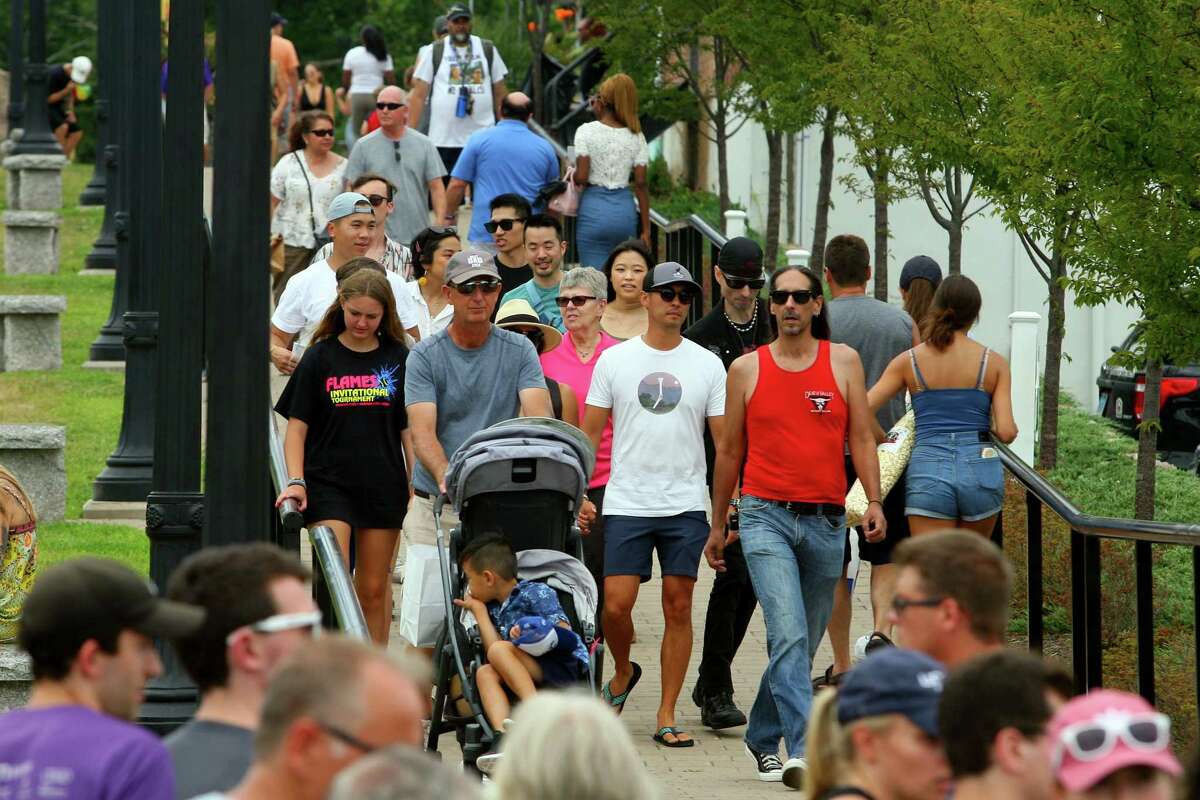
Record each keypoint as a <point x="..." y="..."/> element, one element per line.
<point x="461" y="380"/>
<point x="409" y="162"/>
<point x="328" y="705"/>
<point x="545" y="248"/>
<point x="737" y="324"/>
<point x="791" y="407"/>
<point x="952" y="595"/>
<point x="259" y="610"/>
<point x="507" y="158"/>
<point x="659" y="390"/>
<point x="507" y="229"/>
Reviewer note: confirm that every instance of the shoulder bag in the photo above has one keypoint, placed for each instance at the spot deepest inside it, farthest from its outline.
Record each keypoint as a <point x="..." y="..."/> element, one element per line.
<point x="321" y="237"/>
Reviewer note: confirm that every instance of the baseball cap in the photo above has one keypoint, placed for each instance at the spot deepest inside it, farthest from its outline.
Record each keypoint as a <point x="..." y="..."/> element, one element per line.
<point x="893" y="681"/>
<point x="666" y="274"/>
<point x="467" y="264"/>
<point x="458" y="11"/>
<point x="348" y="203"/>
<point x="1100" y="724"/>
<point x="439" y="25"/>
<point x="920" y="267"/>
<point x="81" y="68"/>
<point x="89" y="597"/>
<point x="741" y="258"/>
<point x="277" y="19"/>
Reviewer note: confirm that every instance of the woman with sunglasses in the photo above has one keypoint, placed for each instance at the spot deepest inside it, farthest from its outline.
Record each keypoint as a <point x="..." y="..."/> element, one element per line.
<point x="1109" y="745"/>
<point x="626" y="268"/>
<point x="364" y="69"/>
<point x="303" y="183"/>
<point x="519" y="317"/>
<point x="395" y="257"/>
<point x="432" y="250"/>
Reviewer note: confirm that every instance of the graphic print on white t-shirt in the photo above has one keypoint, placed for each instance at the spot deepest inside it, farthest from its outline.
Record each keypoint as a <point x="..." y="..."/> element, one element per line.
<point x="660" y="392"/>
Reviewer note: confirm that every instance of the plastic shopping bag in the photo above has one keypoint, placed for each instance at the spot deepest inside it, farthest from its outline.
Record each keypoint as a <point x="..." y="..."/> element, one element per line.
<point x="893" y="458"/>
<point x="422" y="610"/>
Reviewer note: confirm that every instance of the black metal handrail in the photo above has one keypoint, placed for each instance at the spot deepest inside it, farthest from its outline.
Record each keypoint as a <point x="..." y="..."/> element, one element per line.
<point x="686" y="241"/>
<point x="1086" y="532"/>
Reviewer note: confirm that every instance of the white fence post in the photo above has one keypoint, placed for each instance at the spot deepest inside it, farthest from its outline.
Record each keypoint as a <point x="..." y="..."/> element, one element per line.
<point x="798" y="258"/>
<point x="735" y="223"/>
<point x="1023" y="361"/>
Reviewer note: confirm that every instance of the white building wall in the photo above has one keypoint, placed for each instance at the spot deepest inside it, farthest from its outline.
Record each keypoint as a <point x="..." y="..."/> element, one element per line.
<point x="992" y="254"/>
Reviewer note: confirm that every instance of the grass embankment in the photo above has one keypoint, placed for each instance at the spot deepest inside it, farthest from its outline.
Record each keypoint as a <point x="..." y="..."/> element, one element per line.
<point x="88" y="402"/>
<point x="1096" y="466"/>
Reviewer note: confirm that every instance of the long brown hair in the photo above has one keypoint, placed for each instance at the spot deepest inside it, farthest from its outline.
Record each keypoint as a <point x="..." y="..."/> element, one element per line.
<point x="919" y="300"/>
<point x="304" y="124"/>
<point x="956" y="305"/>
<point x="364" y="283"/>
<point x="620" y="94"/>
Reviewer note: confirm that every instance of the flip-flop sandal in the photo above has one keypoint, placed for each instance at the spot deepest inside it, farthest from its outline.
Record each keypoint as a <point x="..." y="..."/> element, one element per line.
<point x="661" y="737"/>
<point x="828" y="679"/>
<point x="618" y="701"/>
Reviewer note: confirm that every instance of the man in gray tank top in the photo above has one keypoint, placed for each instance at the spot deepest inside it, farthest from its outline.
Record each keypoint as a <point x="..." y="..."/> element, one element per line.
<point x="879" y="332"/>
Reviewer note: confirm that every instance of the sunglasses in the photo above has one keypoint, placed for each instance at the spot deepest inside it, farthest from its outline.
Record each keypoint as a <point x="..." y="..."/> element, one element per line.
<point x="742" y="283"/>
<point x="669" y="294"/>
<point x="322" y="132"/>
<point x="534" y="335"/>
<point x="389" y="106"/>
<point x="346" y="738"/>
<point x="396" y="151"/>
<point x="1092" y="740"/>
<point x="502" y="224"/>
<point x="579" y="301"/>
<point x="801" y="296"/>
<point x="900" y="604"/>
<point x="376" y="199"/>
<point x="486" y="285"/>
<point x="279" y="623"/>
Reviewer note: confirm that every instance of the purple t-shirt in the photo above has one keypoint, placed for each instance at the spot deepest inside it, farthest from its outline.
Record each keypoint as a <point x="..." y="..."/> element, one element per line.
<point x="75" y="753"/>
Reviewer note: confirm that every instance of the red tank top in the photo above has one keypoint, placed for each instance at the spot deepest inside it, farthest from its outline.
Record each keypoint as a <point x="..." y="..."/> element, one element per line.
<point x="796" y="425"/>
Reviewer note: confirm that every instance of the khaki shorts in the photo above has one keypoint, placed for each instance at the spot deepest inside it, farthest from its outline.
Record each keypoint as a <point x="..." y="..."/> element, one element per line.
<point x="418" y="522"/>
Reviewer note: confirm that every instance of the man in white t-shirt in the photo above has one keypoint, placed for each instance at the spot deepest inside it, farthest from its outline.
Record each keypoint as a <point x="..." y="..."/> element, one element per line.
<point x="308" y="295"/>
<point x="658" y="389"/>
<point x="464" y="77"/>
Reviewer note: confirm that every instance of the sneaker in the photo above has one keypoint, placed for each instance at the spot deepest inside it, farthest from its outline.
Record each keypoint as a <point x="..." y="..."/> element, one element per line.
<point x="718" y="712"/>
<point x="793" y="772"/>
<point x="486" y="764"/>
<point x="877" y="641"/>
<point x="860" y="647"/>
<point x="769" y="767"/>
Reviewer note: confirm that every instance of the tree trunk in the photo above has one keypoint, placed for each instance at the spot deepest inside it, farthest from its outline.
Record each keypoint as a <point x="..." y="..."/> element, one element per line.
<point x="774" y="190"/>
<point x="956" y="236"/>
<point x="537" y="41"/>
<point x="879" y="180"/>
<point x="1147" y="452"/>
<point x="824" y="191"/>
<point x="692" y="155"/>
<point x="1052" y="372"/>
<point x="720" y="125"/>
<point x="789" y="165"/>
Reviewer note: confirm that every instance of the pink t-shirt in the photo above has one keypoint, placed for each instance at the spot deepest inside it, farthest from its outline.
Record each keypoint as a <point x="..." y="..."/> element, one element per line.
<point x="563" y="365"/>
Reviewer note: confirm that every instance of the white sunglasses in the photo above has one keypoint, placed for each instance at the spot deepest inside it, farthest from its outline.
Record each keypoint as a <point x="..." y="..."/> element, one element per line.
<point x="1093" y="739"/>
<point x="284" y="622"/>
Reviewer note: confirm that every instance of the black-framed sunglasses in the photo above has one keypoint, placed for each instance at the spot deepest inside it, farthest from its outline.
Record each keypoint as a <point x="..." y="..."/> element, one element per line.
<point x="579" y="300"/>
<point x="535" y="335"/>
<point x="345" y="737"/>
<point x="396" y="151"/>
<point x="485" y="285"/>
<point x="503" y="224"/>
<point x="377" y="199"/>
<point x="389" y="106"/>
<point x="322" y="132"/>
<point x="442" y="230"/>
<point x="669" y="293"/>
<point x="742" y="283"/>
<point x="899" y="604"/>
<point x="801" y="296"/>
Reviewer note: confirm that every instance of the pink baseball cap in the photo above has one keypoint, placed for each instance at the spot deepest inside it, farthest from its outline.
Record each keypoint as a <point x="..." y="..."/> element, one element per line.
<point x="1097" y="734"/>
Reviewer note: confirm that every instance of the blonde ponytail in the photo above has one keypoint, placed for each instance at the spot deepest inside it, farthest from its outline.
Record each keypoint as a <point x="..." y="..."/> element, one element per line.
<point x="826" y="751"/>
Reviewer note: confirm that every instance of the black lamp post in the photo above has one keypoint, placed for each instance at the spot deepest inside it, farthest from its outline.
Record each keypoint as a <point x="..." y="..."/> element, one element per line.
<point x="175" y="509"/>
<point x="127" y="476"/>
<point x="236" y="477"/>
<point x="97" y="192"/>
<point x="38" y="139"/>
<point x="16" y="65"/>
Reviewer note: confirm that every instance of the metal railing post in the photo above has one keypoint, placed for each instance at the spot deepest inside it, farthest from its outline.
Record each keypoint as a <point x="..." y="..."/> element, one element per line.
<point x="1093" y="617"/>
<point x="1078" y="614"/>
<point x="1144" y="586"/>
<point x="1033" y="537"/>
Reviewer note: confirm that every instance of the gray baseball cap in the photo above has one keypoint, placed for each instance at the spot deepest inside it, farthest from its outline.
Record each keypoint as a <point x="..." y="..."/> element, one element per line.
<point x="666" y="274"/>
<point x="348" y="203"/>
<point x="467" y="264"/>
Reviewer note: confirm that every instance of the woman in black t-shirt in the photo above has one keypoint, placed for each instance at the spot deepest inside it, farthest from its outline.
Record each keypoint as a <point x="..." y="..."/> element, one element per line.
<point x="347" y="445"/>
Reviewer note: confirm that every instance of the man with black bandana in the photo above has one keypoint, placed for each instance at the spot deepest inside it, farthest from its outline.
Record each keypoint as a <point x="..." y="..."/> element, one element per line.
<point x="738" y="324"/>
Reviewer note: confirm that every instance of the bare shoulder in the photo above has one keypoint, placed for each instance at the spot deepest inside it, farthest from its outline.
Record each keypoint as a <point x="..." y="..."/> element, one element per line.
<point x="999" y="361"/>
<point x="844" y="355"/>
<point x="745" y="366"/>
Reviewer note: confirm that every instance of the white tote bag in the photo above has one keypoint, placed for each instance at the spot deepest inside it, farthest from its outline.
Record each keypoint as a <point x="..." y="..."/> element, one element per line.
<point x="893" y="458"/>
<point x="422" y="610"/>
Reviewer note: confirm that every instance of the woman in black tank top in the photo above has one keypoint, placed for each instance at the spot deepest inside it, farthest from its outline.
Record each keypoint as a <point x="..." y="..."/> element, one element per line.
<point x="314" y="86"/>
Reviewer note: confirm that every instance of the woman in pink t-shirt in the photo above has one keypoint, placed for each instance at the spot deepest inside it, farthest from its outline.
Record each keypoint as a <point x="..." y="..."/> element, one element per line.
<point x="582" y="296"/>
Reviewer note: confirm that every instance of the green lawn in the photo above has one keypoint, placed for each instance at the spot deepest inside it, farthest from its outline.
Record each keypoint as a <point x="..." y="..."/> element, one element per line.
<point x="87" y="402"/>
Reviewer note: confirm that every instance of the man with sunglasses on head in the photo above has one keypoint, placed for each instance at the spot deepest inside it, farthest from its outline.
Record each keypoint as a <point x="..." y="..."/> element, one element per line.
<point x="507" y="229"/>
<point x="259" y="610"/>
<point x="507" y="158"/>
<point x="407" y="160"/>
<point x="461" y="380"/>
<point x="738" y="324"/>
<point x="545" y="248"/>
<point x="791" y="406"/>
<point x="659" y="390"/>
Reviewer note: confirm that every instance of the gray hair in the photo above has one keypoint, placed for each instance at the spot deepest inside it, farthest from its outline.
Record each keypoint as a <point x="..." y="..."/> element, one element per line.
<point x="588" y="278"/>
<point x="400" y="773"/>
<point x="569" y="744"/>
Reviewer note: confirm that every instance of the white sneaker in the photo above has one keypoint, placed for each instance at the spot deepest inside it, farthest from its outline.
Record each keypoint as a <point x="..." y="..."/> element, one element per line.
<point x="793" y="772"/>
<point x="769" y="767"/>
<point x="488" y="762"/>
<point x="860" y="647"/>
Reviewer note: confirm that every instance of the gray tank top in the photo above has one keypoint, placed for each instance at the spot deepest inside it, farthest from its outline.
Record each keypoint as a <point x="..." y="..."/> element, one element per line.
<point x="879" y="332"/>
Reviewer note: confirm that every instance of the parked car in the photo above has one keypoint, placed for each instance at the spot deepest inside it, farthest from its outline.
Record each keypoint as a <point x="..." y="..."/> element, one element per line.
<point x="1122" y="398"/>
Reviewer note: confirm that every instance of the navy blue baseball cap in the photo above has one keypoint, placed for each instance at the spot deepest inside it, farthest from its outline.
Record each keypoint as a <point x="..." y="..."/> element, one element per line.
<point x="893" y="681"/>
<point x="920" y="267"/>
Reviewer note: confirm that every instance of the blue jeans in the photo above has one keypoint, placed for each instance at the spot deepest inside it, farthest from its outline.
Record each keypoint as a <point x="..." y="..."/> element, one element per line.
<point x="795" y="563"/>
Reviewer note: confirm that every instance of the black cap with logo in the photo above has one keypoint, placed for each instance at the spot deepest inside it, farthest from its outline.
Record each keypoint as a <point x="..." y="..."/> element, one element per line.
<point x="741" y="258"/>
<point x="458" y="11"/>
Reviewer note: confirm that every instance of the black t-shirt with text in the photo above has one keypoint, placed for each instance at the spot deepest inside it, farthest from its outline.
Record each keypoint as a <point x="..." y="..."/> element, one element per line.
<point x="353" y="404"/>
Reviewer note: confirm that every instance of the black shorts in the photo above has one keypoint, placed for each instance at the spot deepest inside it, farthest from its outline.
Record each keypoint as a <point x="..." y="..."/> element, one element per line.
<point x="58" y="117"/>
<point x="897" y="523"/>
<point x="358" y="506"/>
<point x="561" y="672"/>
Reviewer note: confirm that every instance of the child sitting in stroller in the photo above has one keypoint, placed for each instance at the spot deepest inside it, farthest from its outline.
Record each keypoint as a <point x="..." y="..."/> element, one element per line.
<point x="526" y="635"/>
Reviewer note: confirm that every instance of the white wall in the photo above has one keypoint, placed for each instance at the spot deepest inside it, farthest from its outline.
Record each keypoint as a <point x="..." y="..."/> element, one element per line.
<point x="992" y="254"/>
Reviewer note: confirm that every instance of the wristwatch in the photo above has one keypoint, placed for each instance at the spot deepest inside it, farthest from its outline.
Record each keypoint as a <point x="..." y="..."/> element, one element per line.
<point x="298" y="482"/>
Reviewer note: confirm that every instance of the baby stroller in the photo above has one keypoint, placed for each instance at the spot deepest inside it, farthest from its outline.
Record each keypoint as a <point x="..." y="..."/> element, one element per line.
<point x="525" y="479"/>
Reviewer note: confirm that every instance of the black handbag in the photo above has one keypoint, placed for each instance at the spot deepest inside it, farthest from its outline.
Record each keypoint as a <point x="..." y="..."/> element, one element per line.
<point x="322" y="237"/>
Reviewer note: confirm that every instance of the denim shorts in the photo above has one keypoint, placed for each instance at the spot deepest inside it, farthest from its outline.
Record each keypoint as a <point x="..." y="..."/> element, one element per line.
<point x="629" y="543"/>
<point x="954" y="476"/>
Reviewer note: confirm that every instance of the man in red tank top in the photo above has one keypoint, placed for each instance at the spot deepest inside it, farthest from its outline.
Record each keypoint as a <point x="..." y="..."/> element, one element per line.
<point x="790" y="407"/>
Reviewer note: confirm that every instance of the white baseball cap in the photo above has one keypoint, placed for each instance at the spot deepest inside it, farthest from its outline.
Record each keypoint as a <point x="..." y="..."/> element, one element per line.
<point x="81" y="68"/>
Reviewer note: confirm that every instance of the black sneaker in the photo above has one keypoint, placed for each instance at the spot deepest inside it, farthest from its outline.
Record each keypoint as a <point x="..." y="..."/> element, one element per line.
<point x="770" y="768"/>
<point x="718" y="712"/>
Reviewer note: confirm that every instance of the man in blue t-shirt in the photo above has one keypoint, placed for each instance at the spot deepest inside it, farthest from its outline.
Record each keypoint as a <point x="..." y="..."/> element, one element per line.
<point x="546" y="249"/>
<point x="89" y="626"/>
<point x="506" y="159"/>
